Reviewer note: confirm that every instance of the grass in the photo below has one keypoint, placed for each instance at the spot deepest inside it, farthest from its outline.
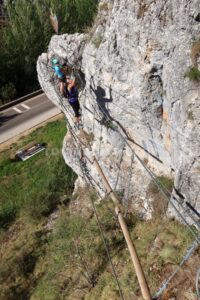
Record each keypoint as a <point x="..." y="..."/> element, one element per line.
<point x="99" y="20"/>
<point x="160" y="203"/>
<point x="109" y="124"/>
<point x="8" y="213"/>
<point x="162" y="181"/>
<point x="70" y="262"/>
<point x="29" y="192"/>
<point x="193" y="74"/>
<point x="34" y="187"/>
<point x="72" y="236"/>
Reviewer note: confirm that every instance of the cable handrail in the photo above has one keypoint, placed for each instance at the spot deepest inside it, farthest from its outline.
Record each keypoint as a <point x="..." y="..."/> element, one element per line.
<point x="160" y="186"/>
<point x="163" y="190"/>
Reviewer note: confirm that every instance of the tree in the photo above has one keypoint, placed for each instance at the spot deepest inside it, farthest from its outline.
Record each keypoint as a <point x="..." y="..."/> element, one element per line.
<point x="29" y="32"/>
<point x="74" y="15"/>
<point x="8" y="92"/>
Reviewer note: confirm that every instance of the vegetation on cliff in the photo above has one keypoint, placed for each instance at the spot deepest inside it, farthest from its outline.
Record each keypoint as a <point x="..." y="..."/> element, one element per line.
<point x="51" y="246"/>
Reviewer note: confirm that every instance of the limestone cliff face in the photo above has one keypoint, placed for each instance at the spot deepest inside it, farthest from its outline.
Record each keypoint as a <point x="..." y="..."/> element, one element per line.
<point x="134" y="61"/>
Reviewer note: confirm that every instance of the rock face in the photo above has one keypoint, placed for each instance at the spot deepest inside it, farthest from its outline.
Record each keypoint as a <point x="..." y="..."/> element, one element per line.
<point x="137" y="97"/>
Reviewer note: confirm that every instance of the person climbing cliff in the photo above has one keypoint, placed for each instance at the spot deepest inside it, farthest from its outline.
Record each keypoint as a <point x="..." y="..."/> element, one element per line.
<point x="60" y="72"/>
<point x="71" y="93"/>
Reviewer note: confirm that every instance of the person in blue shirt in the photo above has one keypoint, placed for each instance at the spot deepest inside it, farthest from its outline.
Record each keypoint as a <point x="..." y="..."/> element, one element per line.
<point x="71" y="93"/>
<point x="61" y="75"/>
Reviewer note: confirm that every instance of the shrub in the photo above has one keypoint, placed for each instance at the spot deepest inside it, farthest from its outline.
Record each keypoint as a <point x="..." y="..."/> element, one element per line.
<point x="163" y="182"/>
<point x="42" y="205"/>
<point x="109" y="124"/>
<point x="190" y="115"/>
<point x="193" y="74"/>
<point x="8" y="92"/>
<point x="160" y="202"/>
<point x="8" y="213"/>
<point x="59" y="181"/>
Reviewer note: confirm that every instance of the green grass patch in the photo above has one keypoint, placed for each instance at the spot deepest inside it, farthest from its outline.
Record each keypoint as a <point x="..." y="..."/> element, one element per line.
<point x="193" y="74"/>
<point x="70" y="262"/>
<point x="29" y="192"/>
<point x="34" y="187"/>
<point x="8" y="213"/>
<point x="162" y="182"/>
<point x="160" y="202"/>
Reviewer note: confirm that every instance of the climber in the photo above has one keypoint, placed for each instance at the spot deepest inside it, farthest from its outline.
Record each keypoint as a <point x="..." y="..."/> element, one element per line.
<point x="60" y="72"/>
<point x="71" y="92"/>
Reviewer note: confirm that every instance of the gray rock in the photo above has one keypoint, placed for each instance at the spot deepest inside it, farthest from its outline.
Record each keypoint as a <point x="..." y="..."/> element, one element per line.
<point x="134" y="61"/>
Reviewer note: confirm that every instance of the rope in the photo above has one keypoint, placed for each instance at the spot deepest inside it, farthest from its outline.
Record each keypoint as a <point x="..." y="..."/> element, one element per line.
<point x="87" y="275"/>
<point x="136" y="117"/>
<point x="125" y="199"/>
<point x="94" y="111"/>
<point x="166" y="193"/>
<point x="158" y="184"/>
<point x="116" y="92"/>
<point x="107" y="250"/>
<point x="87" y="177"/>
<point x="99" y="156"/>
<point x="119" y="169"/>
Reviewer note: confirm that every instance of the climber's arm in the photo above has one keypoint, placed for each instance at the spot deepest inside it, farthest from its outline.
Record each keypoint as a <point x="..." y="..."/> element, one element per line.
<point x="71" y="83"/>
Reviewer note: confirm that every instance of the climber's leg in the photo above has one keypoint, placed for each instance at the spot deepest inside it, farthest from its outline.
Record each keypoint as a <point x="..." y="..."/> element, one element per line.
<point x="62" y="84"/>
<point x="76" y="108"/>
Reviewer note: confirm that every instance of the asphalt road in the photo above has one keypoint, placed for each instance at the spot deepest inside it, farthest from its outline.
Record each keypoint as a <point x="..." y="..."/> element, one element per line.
<point x="25" y="115"/>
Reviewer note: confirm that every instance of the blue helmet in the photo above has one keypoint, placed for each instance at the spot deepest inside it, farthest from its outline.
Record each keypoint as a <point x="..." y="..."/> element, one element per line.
<point x="55" y="61"/>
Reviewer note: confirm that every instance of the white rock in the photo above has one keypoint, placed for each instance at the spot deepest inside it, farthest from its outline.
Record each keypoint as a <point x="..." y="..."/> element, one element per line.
<point x="136" y="73"/>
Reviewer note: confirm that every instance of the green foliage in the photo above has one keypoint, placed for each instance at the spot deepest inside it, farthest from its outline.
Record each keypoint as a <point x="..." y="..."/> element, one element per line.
<point x="34" y="187"/>
<point x="18" y="262"/>
<point x="8" y="213"/>
<point x="38" y="265"/>
<point x="45" y="201"/>
<point x="8" y="92"/>
<point x="28" y="33"/>
<point x="163" y="182"/>
<point x="193" y="74"/>
<point x="55" y="266"/>
<point x="109" y="124"/>
<point x="160" y="203"/>
<point x="74" y="16"/>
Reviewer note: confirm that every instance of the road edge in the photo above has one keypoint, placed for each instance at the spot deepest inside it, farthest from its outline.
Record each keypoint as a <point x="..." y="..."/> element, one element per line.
<point x="6" y="144"/>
